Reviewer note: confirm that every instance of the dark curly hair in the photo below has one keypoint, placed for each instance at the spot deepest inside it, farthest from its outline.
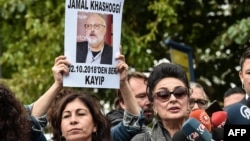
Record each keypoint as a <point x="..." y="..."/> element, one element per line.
<point x="14" y="124"/>
<point x="103" y="132"/>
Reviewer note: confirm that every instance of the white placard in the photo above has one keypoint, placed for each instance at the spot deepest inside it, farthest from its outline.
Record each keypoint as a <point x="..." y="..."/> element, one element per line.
<point x="86" y="70"/>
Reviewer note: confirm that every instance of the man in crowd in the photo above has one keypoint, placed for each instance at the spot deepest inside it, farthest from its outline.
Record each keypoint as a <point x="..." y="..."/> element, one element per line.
<point x="233" y="95"/>
<point x="244" y="75"/>
<point x="137" y="82"/>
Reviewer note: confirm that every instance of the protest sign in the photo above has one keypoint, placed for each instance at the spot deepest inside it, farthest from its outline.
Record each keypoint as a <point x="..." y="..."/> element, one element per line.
<point x="92" y="41"/>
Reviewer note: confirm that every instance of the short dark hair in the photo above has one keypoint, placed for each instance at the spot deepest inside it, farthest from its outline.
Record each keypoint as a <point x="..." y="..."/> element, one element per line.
<point x="244" y="56"/>
<point x="234" y="90"/>
<point x="165" y="70"/>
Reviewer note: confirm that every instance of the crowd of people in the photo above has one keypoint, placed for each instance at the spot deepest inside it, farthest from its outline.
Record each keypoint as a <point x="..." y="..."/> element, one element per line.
<point x="148" y="108"/>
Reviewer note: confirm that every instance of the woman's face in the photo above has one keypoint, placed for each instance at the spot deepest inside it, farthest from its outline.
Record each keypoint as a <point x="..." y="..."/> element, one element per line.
<point x="173" y="107"/>
<point x="77" y="122"/>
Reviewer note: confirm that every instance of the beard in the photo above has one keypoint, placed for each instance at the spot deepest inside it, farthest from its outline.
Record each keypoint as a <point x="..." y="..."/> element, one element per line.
<point x="148" y="119"/>
<point x="94" y="40"/>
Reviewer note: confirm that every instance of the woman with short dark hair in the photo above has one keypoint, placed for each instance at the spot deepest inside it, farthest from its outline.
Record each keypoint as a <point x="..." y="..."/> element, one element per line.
<point x="168" y="88"/>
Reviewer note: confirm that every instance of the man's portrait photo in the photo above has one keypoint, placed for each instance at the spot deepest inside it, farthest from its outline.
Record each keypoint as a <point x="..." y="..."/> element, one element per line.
<point x="94" y="38"/>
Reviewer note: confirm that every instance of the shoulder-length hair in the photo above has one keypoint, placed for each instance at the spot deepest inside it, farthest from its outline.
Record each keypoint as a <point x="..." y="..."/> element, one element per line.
<point x="103" y="132"/>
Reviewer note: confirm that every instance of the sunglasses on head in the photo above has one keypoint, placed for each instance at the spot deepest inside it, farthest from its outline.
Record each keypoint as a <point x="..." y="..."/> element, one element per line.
<point x="179" y="92"/>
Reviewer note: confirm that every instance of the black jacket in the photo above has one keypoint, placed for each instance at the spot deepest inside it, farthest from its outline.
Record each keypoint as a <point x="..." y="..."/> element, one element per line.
<point x="82" y="50"/>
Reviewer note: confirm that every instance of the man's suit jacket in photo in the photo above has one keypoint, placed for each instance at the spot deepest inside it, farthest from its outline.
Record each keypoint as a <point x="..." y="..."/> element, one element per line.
<point x="82" y="50"/>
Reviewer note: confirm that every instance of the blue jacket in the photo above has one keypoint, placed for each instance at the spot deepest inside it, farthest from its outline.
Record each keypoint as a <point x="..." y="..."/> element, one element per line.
<point x="37" y="125"/>
<point x="37" y="130"/>
<point x="128" y="127"/>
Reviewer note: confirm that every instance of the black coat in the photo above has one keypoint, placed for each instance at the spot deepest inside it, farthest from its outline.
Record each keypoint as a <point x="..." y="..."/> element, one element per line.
<point x="82" y="50"/>
<point x="246" y="102"/>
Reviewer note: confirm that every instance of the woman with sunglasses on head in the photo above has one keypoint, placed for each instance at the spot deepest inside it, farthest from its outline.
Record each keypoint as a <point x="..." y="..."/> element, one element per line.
<point x="168" y="89"/>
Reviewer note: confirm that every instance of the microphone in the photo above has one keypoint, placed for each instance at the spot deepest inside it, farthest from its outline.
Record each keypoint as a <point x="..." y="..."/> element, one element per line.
<point x="195" y="131"/>
<point x="179" y="136"/>
<point x="202" y="117"/>
<point x="238" y="114"/>
<point x="218" y="119"/>
<point x="213" y="107"/>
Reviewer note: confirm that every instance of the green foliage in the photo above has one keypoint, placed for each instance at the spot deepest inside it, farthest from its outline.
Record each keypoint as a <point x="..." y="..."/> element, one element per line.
<point x="31" y="37"/>
<point x="237" y="33"/>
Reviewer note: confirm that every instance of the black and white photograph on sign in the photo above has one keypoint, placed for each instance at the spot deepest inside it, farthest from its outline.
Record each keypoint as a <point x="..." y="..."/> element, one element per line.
<point x="95" y="46"/>
<point x="91" y="44"/>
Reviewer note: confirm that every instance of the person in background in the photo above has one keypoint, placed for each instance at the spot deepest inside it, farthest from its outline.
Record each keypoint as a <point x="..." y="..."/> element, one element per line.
<point x="245" y="75"/>
<point x="168" y="88"/>
<point x="78" y="116"/>
<point x="35" y="112"/>
<point x="129" y="121"/>
<point x="40" y="107"/>
<point x="233" y="95"/>
<point x="94" y="50"/>
<point x="132" y="110"/>
<point x="198" y="98"/>
<point x="115" y="116"/>
<point x="137" y="82"/>
<point x="16" y="123"/>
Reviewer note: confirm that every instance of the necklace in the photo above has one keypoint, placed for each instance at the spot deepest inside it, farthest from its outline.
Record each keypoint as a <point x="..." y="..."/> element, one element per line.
<point x="96" y="55"/>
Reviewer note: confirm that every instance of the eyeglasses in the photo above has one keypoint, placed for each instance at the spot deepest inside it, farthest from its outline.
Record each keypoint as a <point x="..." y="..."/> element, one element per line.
<point x="179" y="93"/>
<point x="202" y="103"/>
<point x="96" y="26"/>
